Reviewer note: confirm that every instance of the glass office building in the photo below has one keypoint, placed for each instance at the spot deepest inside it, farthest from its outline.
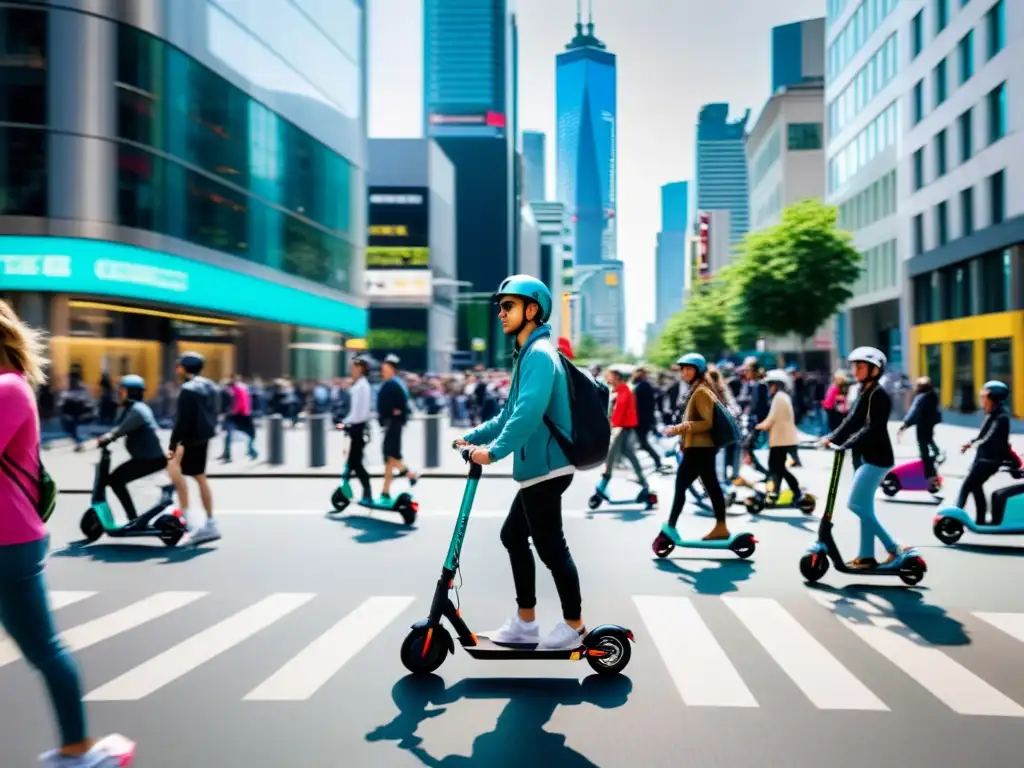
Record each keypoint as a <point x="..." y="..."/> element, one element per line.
<point x="722" y="178"/>
<point x="185" y="174"/>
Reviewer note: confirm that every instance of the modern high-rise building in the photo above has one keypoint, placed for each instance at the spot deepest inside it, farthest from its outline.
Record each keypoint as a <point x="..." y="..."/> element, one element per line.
<point x="961" y="197"/>
<point x="185" y="175"/>
<point x="865" y="115"/>
<point x="534" y="166"/>
<point x="585" y="84"/>
<point x="722" y="181"/>
<point x="469" y="104"/>
<point x="798" y="54"/>
<point x="672" y="256"/>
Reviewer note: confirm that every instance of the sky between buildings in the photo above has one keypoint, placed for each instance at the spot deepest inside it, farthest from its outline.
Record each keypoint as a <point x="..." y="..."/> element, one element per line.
<point x="673" y="57"/>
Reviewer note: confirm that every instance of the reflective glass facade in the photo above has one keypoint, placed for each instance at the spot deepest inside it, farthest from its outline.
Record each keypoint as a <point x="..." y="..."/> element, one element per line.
<point x="722" y="172"/>
<point x="586" y="113"/>
<point x="855" y="33"/>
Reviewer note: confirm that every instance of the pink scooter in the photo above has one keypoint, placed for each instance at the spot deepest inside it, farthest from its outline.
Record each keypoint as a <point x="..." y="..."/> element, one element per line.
<point x="910" y="477"/>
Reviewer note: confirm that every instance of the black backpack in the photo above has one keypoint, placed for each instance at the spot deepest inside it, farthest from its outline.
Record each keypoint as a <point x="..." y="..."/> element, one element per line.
<point x="591" y="429"/>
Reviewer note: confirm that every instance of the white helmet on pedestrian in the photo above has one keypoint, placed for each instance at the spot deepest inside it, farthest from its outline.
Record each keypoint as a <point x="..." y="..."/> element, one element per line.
<point x="777" y="376"/>
<point x="868" y="355"/>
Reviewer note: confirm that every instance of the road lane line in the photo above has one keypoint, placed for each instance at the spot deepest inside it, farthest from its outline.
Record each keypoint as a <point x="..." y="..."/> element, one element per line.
<point x="815" y="671"/>
<point x="318" y="662"/>
<point x="1010" y="623"/>
<point x="947" y="680"/>
<point x="698" y="665"/>
<point x="189" y="654"/>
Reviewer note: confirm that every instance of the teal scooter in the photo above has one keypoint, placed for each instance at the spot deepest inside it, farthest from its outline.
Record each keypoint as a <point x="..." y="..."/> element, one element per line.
<point x="1006" y="516"/>
<point x="403" y="503"/>
<point x="158" y="521"/>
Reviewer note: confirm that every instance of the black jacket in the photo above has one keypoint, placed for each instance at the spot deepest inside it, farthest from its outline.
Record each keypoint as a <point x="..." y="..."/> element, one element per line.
<point x="924" y="413"/>
<point x="196" y="420"/>
<point x="391" y="397"/>
<point x="645" y="406"/>
<point x="993" y="441"/>
<point x="865" y="430"/>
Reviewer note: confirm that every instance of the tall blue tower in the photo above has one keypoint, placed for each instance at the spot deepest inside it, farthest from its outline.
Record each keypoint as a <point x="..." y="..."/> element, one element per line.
<point x="585" y="85"/>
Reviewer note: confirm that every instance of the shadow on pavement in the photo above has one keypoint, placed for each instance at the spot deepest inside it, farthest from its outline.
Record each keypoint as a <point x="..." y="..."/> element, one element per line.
<point x="932" y="502"/>
<point x="718" y="579"/>
<point x="992" y="549"/>
<point x="130" y="553"/>
<point x="519" y="737"/>
<point x="372" y="530"/>
<point x="809" y="523"/>
<point x="930" y="622"/>
<point x="622" y="515"/>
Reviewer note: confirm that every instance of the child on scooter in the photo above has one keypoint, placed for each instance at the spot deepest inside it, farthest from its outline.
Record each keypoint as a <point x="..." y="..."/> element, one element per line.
<point x="624" y="421"/>
<point x="865" y="431"/>
<point x="139" y="429"/>
<point x="780" y="424"/>
<point x="925" y="412"/>
<point x="993" y="443"/>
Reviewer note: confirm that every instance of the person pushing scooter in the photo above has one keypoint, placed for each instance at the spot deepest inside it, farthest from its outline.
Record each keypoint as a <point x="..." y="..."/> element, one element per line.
<point x="993" y="447"/>
<point x="780" y="424"/>
<point x="624" y="423"/>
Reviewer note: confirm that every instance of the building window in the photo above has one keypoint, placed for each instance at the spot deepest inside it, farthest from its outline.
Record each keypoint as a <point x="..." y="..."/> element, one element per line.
<point x="966" y="135"/>
<point x="919" y="234"/>
<point x="995" y="22"/>
<point x="932" y="366"/>
<point x="965" y="54"/>
<point x="917" y="102"/>
<point x="999" y="363"/>
<point x="967" y="211"/>
<point x="940" y="154"/>
<point x="997" y="197"/>
<point x="22" y="171"/>
<point x="916" y="35"/>
<point x="998" y="281"/>
<point x="23" y="66"/>
<point x="941" y="224"/>
<point x="963" y="377"/>
<point x="941" y="15"/>
<point x="939" y="78"/>
<point x="802" y="136"/>
<point x="918" y="169"/>
<point x="997" y="113"/>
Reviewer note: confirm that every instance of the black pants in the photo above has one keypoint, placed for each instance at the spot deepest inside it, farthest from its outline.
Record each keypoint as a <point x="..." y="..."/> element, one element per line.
<point x="929" y="451"/>
<point x="697" y="463"/>
<point x="357" y="443"/>
<point x="642" y="443"/>
<point x="974" y="484"/>
<point x="778" y="471"/>
<point x="132" y="470"/>
<point x="537" y="513"/>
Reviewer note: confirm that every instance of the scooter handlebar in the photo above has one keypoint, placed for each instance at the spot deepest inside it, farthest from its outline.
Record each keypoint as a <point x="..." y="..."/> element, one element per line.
<point x="475" y="470"/>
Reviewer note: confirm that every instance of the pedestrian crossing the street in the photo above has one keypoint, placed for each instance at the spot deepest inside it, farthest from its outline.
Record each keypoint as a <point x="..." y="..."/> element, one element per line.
<point x="677" y="629"/>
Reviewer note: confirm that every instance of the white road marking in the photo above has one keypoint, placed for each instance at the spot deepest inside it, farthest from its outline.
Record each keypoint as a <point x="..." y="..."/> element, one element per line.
<point x="1010" y="623"/>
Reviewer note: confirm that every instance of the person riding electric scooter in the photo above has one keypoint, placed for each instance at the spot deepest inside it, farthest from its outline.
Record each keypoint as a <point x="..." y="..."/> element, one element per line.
<point x="993" y="447"/>
<point x="925" y="412"/>
<point x="539" y="389"/>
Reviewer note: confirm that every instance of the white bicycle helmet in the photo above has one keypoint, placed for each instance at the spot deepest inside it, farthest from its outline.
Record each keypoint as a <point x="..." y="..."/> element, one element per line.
<point x="777" y="376"/>
<point x="868" y="355"/>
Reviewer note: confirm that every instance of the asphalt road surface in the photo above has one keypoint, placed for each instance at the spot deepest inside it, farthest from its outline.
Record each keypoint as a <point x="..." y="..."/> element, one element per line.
<point x="278" y="646"/>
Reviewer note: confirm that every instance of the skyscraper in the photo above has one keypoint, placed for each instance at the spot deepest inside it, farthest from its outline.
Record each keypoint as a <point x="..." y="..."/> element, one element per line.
<point x="798" y="54"/>
<point x="534" y="166"/>
<point x="722" y="182"/>
<point x="585" y="82"/>
<point x="469" y="106"/>
<point x="671" y="259"/>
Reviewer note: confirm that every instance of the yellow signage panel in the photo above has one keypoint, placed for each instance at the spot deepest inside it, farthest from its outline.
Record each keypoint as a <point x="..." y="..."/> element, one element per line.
<point x="356" y="344"/>
<point x="385" y="257"/>
<point x="389" y="230"/>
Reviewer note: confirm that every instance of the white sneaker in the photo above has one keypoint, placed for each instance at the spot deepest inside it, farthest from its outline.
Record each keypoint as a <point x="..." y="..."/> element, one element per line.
<point x="515" y="630"/>
<point x="113" y="751"/>
<point x="206" y="534"/>
<point x="562" y="638"/>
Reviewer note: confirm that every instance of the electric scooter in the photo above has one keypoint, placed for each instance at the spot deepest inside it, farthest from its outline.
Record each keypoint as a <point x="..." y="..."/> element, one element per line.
<point x="908" y="565"/>
<point x="606" y="648"/>
<point x="158" y="521"/>
<point x="949" y="524"/>
<point x="909" y="476"/>
<point x="758" y="501"/>
<point x="647" y="497"/>
<point x="403" y="503"/>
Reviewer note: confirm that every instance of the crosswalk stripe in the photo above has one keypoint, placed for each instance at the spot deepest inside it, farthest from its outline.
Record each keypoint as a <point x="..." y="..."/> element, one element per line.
<point x="168" y="666"/>
<point x="62" y="599"/>
<point x="950" y="682"/>
<point x="815" y="671"/>
<point x="1010" y="623"/>
<point x="698" y="665"/>
<point x="318" y="662"/>
<point x="106" y="627"/>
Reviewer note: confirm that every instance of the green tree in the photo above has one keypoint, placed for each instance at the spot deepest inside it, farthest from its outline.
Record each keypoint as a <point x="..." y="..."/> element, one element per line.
<point x="790" y="278"/>
<point x="589" y="349"/>
<point x="701" y="326"/>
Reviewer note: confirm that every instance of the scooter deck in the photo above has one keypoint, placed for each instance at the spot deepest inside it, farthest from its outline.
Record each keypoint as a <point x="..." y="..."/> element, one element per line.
<point x="486" y="648"/>
<point x="384" y="505"/>
<point x="700" y="543"/>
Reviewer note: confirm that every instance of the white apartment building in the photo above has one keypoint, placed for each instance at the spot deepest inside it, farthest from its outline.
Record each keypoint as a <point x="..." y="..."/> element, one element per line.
<point x="862" y="98"/>
<point x="786" y="158"/>
<point x="961" y="193"/>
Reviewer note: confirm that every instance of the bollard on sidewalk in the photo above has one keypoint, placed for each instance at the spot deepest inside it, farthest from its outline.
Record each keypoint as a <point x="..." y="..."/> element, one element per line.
<point x="275" y="440"/>
<point x="318" y="440"/>
<point x="432" y="448"/>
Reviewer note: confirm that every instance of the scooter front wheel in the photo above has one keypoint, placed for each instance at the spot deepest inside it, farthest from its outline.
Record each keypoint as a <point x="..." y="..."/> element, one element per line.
<point x="948" y="530"/>
<point x="171" y="531"/>
<point x="91" y="526"/>
<point x="594" y="502"/>
<point x="744" y="546"/>
<point x="339" y="500"/>
<point x="890" y="485"/>
<point x="807" y="504"/>
<point x="813" y="567"/>
<point x="407" y="511"/>
<point x="612" y="654"/>
<point x="912" y="572"/>
<point x="420" y="658"/>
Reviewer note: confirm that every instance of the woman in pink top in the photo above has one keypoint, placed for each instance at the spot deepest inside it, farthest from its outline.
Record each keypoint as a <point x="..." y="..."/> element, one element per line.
<point x="24" y="610"/>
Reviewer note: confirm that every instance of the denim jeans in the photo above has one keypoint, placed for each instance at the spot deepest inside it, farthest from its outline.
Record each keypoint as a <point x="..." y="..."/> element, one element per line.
<point x="866" y="480"/>
<point x="25" y="616"/>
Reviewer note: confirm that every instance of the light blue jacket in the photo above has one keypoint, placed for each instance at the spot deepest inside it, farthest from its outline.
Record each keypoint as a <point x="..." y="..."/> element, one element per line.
<point x="538" y="387"/>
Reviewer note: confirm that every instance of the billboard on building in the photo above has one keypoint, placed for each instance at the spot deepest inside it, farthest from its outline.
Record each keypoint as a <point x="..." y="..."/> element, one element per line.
<point x="398" y="244"/>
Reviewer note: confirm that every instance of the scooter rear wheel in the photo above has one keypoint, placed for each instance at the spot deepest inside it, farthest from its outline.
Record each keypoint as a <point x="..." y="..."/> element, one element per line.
<point x="171" y="531"/>
<point x="807" y="504"/>
<point x="91" y="526"/>
<point x="339" y="500"/>
<point x="663" y="545"/>
<point x="890" y="485"/>
<point x="407" y="512"/>
<point x="912" y="572"/>
<point x="948" y="530"/>
<point x="594" y="502"/>
<point x="754" y="505"/>
<point x="813" y="567"/>
<point x="616" y="652"/>
<point x="413" y="657"/>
